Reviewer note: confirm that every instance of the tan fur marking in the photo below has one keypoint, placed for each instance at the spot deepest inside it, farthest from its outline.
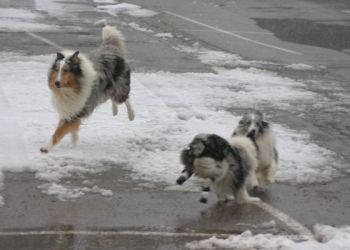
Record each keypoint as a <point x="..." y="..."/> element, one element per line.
<point x="68" y="80"/>
<point x="63" y="128"/>
<point x="52" y="79"/>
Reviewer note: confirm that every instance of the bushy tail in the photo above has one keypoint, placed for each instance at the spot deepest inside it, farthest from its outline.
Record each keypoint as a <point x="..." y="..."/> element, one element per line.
<point x="111" y="36"/>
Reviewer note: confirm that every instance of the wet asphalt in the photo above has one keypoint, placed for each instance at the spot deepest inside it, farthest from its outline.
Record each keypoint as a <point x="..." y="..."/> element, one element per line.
<point x="319" y="30"/>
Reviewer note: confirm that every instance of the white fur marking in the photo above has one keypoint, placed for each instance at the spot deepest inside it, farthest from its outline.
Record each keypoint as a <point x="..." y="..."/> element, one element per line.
<point x="59" y="74"/>
<point x="69" y="103"/>
<point x="131" y="113"/>
<point x="185" y="175"/>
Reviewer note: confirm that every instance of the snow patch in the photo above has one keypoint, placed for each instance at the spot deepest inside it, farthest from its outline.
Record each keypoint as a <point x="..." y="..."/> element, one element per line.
<point x="170" y="109"/>
<point x="65" y="192"/>
<point x="14" y="20"/>
<point x="300" y="66"/>
<point x="104" y="1"/>
<point x="164" y="35"/>
<point x="127" y="8"/>
<point x="330" y="238"/>
<point x="66" y="9"/>
<point x="139" y="28"/>
<point x="221" y="59"/>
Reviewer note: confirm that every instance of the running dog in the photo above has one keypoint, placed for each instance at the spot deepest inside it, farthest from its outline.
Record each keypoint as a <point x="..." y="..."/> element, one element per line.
<point x="225" y="166"/>
<point x="80" y="83"/>
<point x="254" y="126"/>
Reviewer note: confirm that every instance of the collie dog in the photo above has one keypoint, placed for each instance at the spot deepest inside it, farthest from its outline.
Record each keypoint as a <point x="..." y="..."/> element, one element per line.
<point x="79" y="83"/>
<point x="253" y="126"/>
<point x="225" y="166"/>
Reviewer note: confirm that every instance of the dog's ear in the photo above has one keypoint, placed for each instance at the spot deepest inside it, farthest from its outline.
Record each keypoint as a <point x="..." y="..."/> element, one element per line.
<point x="60" y="56"/>
<point x="74" y="58"/>
<point x="258" y="113"/>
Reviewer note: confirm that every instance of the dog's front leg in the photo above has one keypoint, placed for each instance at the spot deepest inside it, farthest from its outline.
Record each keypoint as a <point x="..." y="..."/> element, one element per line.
<point x="242" y="196"/>
<point x="205" y="191"/>
<point x="185" y="175"/>
<point x="64" y="127"/>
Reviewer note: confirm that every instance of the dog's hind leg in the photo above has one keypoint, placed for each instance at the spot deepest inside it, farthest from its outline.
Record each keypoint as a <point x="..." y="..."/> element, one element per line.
<point x="205" y="191"/>
<point x="270" y="175"/>
<point x="131" y="113"/>
<point x="254" y="180"/>
<point x="242" y="196"/>
<point x="114" y="108"/>
<point x="64" y="127"/>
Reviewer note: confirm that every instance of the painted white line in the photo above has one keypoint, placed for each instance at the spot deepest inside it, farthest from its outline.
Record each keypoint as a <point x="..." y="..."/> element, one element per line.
<point x="230" y="33"/>
<point x="110" y="233"/>
<point x="293" y="224"/>
<point x="43" y="39"/>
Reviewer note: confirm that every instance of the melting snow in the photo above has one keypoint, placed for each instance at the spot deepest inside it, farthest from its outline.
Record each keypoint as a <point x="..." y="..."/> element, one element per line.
<point x="14" y="20"/>
<point x="300" y="66"/>
<point x="164" y="35"/>
<point x="139" y="28"/>
<point x="331" y="238"/>
<point x="170" y="109"/>
<point x="127" y="8"/>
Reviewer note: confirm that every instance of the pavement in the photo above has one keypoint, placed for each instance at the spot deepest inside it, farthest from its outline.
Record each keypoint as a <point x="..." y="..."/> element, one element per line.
<point x="142" y="216"/>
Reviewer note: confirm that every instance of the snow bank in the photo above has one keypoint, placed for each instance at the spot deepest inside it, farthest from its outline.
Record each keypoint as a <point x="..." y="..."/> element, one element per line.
<point x="331" y="239"/>
<point x="170" y="109"/>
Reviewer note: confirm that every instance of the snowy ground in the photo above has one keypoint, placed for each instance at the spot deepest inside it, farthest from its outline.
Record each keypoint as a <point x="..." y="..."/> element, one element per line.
<point x="171" y="108"/>
<point x="329" y="238"/>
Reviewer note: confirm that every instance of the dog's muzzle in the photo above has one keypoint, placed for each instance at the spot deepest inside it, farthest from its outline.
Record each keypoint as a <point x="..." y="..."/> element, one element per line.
<point x="252" y="134"/>
<point x="58" y="84"/>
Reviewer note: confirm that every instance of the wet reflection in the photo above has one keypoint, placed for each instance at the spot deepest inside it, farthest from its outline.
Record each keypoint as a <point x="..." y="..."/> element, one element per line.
<point x="308" y="32"/>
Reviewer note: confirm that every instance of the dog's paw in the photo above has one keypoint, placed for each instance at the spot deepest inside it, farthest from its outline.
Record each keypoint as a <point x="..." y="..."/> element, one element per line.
<point x="131" y="116"/>
<point x="44" y="150"/>
<point x="252" y="200"/>
<point x="258" y="190"/>
<point x="203" y="200"/>
<point x="270" y="179"/>
<point x="180" y="180"/>
<point x="248" y="200"/>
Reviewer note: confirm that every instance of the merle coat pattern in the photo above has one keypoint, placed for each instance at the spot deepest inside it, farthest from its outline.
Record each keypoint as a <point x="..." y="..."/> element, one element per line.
<point x="212" y="158"/>
<point x="254" y="126"/>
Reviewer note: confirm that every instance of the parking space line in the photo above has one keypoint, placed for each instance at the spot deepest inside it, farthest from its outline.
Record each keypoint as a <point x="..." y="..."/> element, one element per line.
<point x="293" y="224"/>
<point x="111" y="233"/>
<point x="47" y="41"/>
<point x="230" y="33"/>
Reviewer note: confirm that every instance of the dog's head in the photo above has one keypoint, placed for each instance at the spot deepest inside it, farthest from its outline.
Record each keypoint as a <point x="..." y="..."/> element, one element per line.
<point x="197" y="145"/>
<point x="65" y="71"/>
<point x="251" y="125"/>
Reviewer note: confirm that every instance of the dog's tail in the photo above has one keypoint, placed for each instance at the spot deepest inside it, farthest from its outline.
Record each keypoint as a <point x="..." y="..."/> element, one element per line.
<point x="111" y="36"/>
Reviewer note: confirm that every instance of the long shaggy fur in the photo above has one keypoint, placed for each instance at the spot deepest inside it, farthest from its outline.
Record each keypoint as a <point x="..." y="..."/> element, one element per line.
<point x="226" y="167"/>
<point x="80" y="83"/>
<point x="253" y="126"/>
